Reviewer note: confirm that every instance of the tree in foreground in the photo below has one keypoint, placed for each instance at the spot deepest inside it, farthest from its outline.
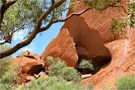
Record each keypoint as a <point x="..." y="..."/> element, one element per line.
<point x="37" y="16"/>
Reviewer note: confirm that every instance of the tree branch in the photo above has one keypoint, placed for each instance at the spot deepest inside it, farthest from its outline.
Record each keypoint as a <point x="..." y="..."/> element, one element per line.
<point x="8" y="38"/>
<point x="34" y="32"/>
<point x="71" y="15"/>
<point x="4" y="7"/>
<point x="125" y="11"/>
<point x="38" y="28"/>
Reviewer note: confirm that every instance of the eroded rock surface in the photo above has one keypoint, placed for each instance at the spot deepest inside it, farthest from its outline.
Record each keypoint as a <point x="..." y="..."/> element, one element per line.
<point x="77" y="41"/>
<point x="122" y="63"/>
<point x="28" y="66"/>
<point x="84" y="37"/>
<point x="63" y="46"/>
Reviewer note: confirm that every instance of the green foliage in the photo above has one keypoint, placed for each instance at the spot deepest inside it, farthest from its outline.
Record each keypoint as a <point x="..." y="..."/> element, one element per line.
<point x="59" y="69"/>
<point x="8" y="74"/>
<point x="118" y="27"/>
<point x="61" y="78"/>
<point x="24" y="13"/>
<point x="50" y="59"/>
<point x="53" y="83"/>
<point x="100" y="4"/>
<point x="126" y="83"/>
<point x="86" y="64"/>
<point x="131" y="14"/>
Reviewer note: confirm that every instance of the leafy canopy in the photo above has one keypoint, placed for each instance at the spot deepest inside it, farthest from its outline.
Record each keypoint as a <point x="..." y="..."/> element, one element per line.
<point x="24" y="13"/>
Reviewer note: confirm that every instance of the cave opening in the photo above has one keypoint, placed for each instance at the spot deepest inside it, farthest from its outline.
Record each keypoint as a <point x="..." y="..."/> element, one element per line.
<point x="102" y="62"/>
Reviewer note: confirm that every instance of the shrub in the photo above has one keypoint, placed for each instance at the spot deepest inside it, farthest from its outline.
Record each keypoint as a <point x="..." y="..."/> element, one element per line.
<point x="53" y="83"/>
<point x="50" y="59"/>
<point x="86" y="64"/>
<point x="126" y="83"/>
<point x="59" y="69"/>
<point x="8" y="72"/>
<point x="7" y="75"/>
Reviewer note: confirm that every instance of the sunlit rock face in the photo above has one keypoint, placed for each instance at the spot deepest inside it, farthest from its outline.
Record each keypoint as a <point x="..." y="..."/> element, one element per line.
<point x="101" y="20"/>
<point x="122" y="63"/>
<point x="92" y="39"/>
<point x="76" y="41"/>
<point x="63" y="46"/>
<point x="89" y="44"/>
<point x="89" y="33"/>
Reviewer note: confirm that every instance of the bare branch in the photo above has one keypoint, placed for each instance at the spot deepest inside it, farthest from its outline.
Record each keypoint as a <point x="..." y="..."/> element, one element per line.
<point x="125" y="11"/>
<point x="71" y="15"/>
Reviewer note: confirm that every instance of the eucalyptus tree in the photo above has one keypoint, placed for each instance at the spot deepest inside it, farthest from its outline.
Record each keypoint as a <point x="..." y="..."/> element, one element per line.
<point x="39" y="15"/>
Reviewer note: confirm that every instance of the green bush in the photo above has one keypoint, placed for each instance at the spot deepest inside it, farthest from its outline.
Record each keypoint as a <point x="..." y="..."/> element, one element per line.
<point x="86" y="64"/>
<point x="59" y="69"/>
<point x="53" y="83"/>
<point x="61" y="77"/>
<point x="126" y="83"/>
<point x="50" y="59"/>
<point x="8" y="74"/>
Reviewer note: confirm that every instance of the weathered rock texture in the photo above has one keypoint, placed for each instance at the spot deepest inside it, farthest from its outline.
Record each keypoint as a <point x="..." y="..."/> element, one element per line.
<point x="123" y="63"/>
<point x="101" y="20"/>
<point x="87" y="43"/>
<point x="90" y="32"/>
<point x="28" y="66"/>
<point x="63" y="46"/>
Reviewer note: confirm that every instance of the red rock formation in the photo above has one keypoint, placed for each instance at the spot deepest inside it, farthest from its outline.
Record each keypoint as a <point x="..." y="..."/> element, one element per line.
<point x="28" y="66"/>
<point x="100" y="20"/>
<point x="63" y="46"/>
<point x="87" y="39"/>
<point x="123" y="63"/>
<point x="90" y="32"/>
<point x="88" y="42"/>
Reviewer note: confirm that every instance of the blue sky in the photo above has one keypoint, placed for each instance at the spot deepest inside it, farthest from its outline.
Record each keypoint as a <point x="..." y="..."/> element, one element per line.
<point x="41" y="41"/>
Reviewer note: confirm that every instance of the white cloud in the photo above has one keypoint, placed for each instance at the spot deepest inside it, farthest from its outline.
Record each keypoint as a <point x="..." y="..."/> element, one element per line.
<point x="30" y="47"/>
<point x="19" y="36"/>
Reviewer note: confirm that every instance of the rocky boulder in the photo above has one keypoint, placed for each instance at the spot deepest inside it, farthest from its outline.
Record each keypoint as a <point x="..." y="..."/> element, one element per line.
<point x="28" y="65"/>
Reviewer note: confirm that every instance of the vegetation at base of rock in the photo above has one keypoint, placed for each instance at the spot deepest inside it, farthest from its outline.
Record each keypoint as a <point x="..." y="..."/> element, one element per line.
<point x="58" y="68"/>
<point x="53" y="83"/>
<point x="8" y="74"/>
<point x="126" y="83"/>
<point x="61" y="77"/>
<point x="86" y="64"/>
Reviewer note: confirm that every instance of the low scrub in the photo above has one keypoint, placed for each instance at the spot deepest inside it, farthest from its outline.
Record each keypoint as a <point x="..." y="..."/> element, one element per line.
<point x="53" y="83"/>
<point x="58" y="68"/>
<point x="61" y="77"/>
<point x="126" y="83"/>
